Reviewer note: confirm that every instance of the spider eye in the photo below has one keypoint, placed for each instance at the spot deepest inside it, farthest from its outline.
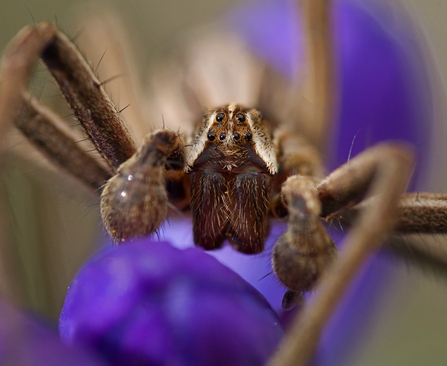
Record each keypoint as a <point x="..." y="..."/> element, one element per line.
<point x="240" y="117"/>
<point x="222" y="136"/>
<point x="220" y="117"/>
<point x="211" y="136"/>
<point x="248" y="136"/>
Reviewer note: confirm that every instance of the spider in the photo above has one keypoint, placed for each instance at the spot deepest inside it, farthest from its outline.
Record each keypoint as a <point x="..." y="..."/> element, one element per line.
<point x="237" y="161"/>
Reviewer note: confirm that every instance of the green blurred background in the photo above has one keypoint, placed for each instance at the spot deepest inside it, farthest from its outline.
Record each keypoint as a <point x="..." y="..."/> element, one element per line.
<point x="49" y="230"/>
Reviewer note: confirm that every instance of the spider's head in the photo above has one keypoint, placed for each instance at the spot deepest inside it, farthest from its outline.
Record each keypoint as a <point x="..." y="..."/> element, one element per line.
<point x="230" y="126"/>
<point x="233" y="138"/>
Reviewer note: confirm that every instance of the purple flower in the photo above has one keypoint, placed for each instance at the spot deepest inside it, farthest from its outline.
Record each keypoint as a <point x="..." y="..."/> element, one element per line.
<point x="149" y="303"/>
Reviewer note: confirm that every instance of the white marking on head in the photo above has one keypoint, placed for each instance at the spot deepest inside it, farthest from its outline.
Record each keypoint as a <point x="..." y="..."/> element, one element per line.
<point x="199" y="141"/>
<point x="263" y="143"/>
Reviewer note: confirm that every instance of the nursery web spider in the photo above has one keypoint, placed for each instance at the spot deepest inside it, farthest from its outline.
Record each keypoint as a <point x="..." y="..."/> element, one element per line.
<point x="237" y="168"/>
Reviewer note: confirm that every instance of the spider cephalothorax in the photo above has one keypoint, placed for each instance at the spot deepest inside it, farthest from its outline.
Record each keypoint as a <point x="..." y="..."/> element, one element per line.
<point x="230" y="163"/>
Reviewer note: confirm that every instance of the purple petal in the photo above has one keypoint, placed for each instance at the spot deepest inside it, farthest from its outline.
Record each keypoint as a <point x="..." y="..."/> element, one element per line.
<point x="255" y="269"/>
<point x="151" y="303"/>
<point x="384" y="82"/>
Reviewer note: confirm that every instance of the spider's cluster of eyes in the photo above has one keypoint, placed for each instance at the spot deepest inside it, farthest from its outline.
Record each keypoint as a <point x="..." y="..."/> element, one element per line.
<point x="236" y="136"/>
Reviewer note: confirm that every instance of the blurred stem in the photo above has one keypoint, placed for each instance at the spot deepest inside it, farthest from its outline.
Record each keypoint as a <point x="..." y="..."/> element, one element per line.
<point x="10" y="275"/>
<point x="318" y="85"/>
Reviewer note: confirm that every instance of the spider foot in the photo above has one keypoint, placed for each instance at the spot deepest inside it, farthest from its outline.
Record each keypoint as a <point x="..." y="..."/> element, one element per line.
<point x="292" y="299"/>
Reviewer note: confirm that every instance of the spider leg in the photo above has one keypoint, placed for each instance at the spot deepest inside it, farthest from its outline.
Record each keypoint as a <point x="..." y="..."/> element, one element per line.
<point x="422" y="213"/>
<point x="418" y="213"/>
<point x="349" y="184"/>
<point x="298" y="198"/>
<point x="297" y="157"/>
<point x="390" y="167"/>
<point x="135" y="201"/>
<point x="79" y="85"/>
<point x="40" y="125"/>
<point x="86" y="96"/>
<point x="50" y="135"/>
<point x="114" y="60"/>
<point x="16" y="66"/>
<point x="305" y="250"/>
